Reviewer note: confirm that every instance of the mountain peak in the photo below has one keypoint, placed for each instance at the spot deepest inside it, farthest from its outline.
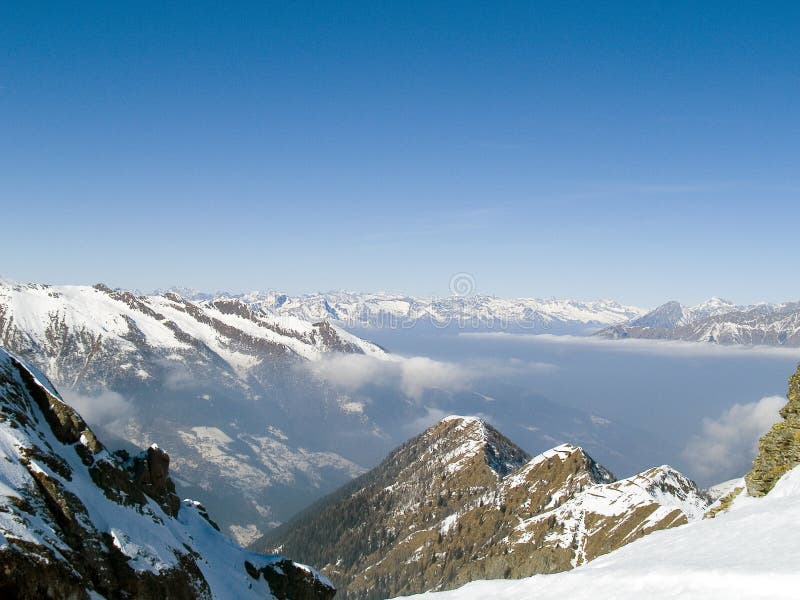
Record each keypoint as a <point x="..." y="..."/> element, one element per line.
<point x="446" y="508"/>
<point x="457" y="441"/>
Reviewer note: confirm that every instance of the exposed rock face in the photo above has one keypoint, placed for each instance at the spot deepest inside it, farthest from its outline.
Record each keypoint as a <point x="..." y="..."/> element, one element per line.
<point x="77" y="520"/>
<point x="151" y="474"/>
<point x="779" y="448"/>
<point x="461" y="502"/>
<point x="289" y="581"/>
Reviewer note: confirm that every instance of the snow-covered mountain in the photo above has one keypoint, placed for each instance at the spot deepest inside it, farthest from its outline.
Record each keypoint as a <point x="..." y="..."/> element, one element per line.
<point x="212" y="381"/>
<point x="747" y="553"/>
<point x="716" y="321"/>
<point x="462" y="502"/>
<point x="354" y="310"/>
<point x="103" y="323"/>
<point x="80" y="522"/>
<point x="745" y="548"/>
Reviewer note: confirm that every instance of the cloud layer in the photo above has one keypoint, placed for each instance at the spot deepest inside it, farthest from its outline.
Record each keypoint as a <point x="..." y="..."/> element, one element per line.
<point x="640" y="346"/>
<point x="109" y="410"/>
<point x="413" y="376"/>
<point x="727" y="445"/>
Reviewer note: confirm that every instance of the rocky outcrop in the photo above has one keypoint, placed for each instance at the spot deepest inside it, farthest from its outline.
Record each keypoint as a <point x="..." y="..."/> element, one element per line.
<point x="77" y="521"/>
<point x="151" y="475"/>
<point x="290" y="581"/>
<point x="461" y="502"/>
<point x="779" y="448"/>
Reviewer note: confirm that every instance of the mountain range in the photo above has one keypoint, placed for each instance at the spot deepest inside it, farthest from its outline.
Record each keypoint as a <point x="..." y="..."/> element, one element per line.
<point x="230" y="391"/>
<point x="224" y="386"/>
<point x="380" y="310"/>
<point x="715" y="321"/>
<point x="213" y="382"/>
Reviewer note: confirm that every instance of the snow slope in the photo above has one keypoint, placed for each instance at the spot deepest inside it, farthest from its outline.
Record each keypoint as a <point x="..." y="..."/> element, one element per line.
<point x="36" y="315"/>
<point x="750" y="552"/>
<point x="219" y="386"/>
<point x="65" y="499"/>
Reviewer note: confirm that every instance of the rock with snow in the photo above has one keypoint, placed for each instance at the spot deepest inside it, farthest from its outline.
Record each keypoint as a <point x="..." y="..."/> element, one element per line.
<point x="78" y="521"/>
<point x="748" y="551"/>
<point x="462" y="502"/>
<point x="779" y="448"/>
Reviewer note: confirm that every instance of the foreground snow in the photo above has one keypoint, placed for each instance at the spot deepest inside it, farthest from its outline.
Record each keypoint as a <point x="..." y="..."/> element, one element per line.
<point x="749" y="552"/>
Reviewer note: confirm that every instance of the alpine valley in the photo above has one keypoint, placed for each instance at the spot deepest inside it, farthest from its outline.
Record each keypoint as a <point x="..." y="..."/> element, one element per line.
<point x="240" y="402"/>
<point x="229" y="385"/>
<point x="224" y="384"/>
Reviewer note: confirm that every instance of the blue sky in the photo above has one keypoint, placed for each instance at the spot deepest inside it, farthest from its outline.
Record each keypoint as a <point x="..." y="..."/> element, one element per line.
<point x="640" y="151"/>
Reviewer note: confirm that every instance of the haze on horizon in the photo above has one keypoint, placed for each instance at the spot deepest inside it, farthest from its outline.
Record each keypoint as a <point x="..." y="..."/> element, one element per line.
<point x="639" y="152"/>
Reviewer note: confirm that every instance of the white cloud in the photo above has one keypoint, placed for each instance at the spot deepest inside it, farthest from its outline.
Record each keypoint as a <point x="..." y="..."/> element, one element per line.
<point x="413" y="376"/>
<point x="727" y="445"/>
<point x="177" y="375"/>
<point x="103" y="409"/>
<point x="659" y="347"/>
<point x="419" y="373"/>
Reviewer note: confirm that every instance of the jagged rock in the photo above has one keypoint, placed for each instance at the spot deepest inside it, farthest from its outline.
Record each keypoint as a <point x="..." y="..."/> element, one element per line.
<point x="779" y="448"/>
<point x="461" y="502"/>
<point x="77" y="521"/>
<point x="151" y="474"/>
<point x="291" y="581"/>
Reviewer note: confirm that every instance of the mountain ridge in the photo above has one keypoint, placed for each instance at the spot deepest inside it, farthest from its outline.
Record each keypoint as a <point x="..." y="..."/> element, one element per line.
<point x="441" y="512"/>
<point x="715" y="321"/>
<point x="80" y="522"/>
<point x="382" y="309"/>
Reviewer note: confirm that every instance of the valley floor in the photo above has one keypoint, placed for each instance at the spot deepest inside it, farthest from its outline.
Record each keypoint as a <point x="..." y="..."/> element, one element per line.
<point x="748" y="553"/>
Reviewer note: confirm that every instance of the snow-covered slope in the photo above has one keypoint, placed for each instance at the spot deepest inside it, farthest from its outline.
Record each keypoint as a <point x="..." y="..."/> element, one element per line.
<point x="462" y="502"/>
<point x="37" y="317"/>
<point x="716" y="321"/>
<point x="218" y="385"/>
<point x="77" y="521"/>
<point x="355" y="310"/>
<point x="747" y="553"/>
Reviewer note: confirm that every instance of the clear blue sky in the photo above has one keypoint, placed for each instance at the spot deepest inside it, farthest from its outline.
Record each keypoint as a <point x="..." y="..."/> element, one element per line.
<point x="641" y="150"/>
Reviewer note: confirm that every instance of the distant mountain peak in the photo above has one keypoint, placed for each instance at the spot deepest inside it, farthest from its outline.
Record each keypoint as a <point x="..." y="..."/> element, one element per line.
<point x="716" y="321"/>
<point x="386" y="309"/>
